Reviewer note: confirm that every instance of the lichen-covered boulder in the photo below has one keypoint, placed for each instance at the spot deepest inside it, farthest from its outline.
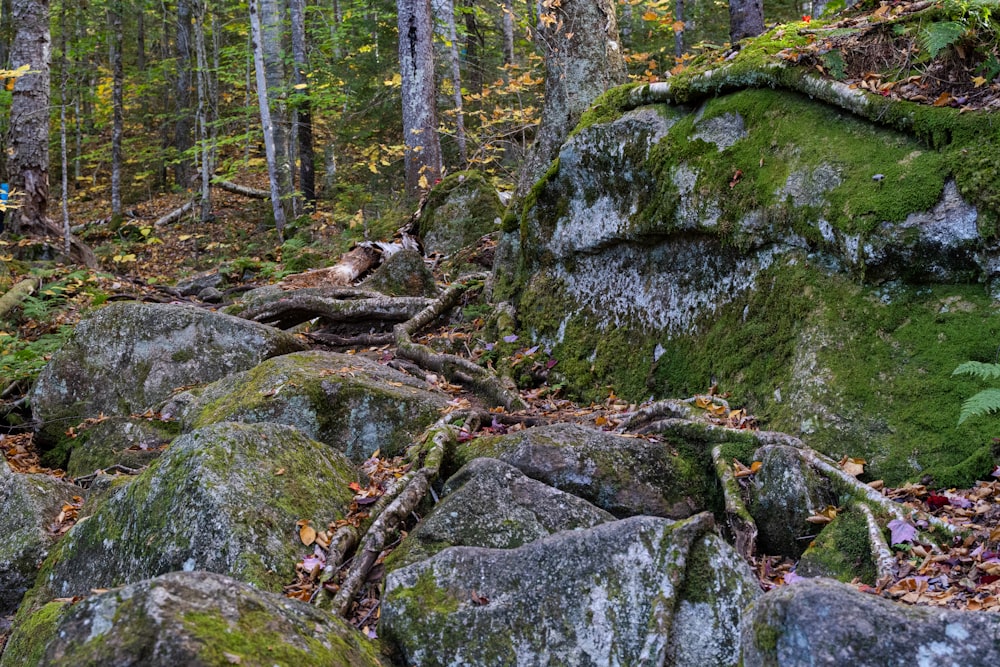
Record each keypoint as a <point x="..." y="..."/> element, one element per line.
<point x="625" y="476"/>
<point x="489" y="503"/>
<point x="132" y="442"/>
<point x="823" y="622"/>
<point x="127" y="357"/>
<point x="786" y="491"/>
<point x="29" y="505"/>
<point x="608" y="595"/>
<point x="201" y="618"/>
<point x="403" y="273"/>
<point x="463" y="207"/>
<point x="349" y="402"/>
<point x="841" y="551"/>
<point x="224" y="498"/>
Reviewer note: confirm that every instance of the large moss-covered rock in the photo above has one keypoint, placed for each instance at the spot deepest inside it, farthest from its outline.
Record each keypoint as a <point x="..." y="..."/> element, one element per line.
<point x="463" y="207"/>
<point x="841" y="551"/>
<point x="29" y="505"/>
<point x="625" y="476"/>
<point x="129" y="441"/>
<point x="127" y="357"/>
<point x="731" y="240"/>
<point x="349" y="402"/>
<point x="823" y="622"/>
<point x="489" y="503"/>
<point x="402" y="273"/>
<point x="608" y="595"/>
<point x="200" y="618"/>
<point x="224" y="498"/>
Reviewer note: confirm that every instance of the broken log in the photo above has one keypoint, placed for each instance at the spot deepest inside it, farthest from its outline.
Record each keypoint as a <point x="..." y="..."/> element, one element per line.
<point x="175" y="215"/>
<point x="244" y="190"/>
<point x="16" y="294"/>
<point x="352" y="265"/>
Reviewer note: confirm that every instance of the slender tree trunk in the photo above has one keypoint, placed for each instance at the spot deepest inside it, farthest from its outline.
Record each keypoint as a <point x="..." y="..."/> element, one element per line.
<point x="140" y="36"/>
<point x="204" y="148"/>
<point x="64" y="154"/>
<point x="272" y="15"/>
<point x="265" y="116"/>
<point x="583" y="59"/>
<point x="303" y="106"/>
<point x="456" y="82"/>
<point x="6" y="31"/>
<point x="183" y="138"/>
<point x="420" y="128"/>
<point x="473" y="47"/>
<point x="117" y="101"/>
<point x="625" y="25"/>
<point x="508" y="36"/>
<point x="746" y="19"/>
<point x="28" y="147"/>
<point x="679" y="34"/>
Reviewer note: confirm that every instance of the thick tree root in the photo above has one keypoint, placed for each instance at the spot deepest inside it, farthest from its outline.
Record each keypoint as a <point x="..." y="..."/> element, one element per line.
<point x="439" y="437"/>
<point x="738" y="519"/>
<point x="301" y="306"/>
<point x="454" y="368"/>
<point x="885" y="563"/>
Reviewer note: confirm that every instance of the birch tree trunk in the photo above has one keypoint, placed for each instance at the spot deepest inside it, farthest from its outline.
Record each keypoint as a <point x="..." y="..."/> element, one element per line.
<point x="28" y="148"/>
<point x="256" y="31"/>
<point x="204" y="147"/>
<point x="583" y="59"/>
<point x="303" y="106"/>
<point x="117" y="101"/>
<point x="508" y="36"/>
<point x="416" y="61"/>
<point x="183" y="137"/>
<point x="272" y="15"/>
<point x="456" y="82"/>
<point x="746" y="19"/>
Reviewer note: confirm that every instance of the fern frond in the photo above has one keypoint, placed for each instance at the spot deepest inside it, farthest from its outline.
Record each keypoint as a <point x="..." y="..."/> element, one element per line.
<point x="979" y="370"/>
<point x="939" y="35"/>
<point x="983" y="403"/>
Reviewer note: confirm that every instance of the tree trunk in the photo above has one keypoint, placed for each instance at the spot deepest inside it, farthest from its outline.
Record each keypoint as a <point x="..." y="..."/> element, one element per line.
<point x="508" y="35"/>
<point x="582" y="60"/>
<point x="456" y="82"/>
<point x="746" y="19"/>
<point x="118" y="117"/>
<point x="416" y="61"/>
<point x="28" y="148"/>
<point x="625" y="25"/>
<point x="183" y="137"/>
<point x="64" y="153"/>
<point x="266" y="122"/>
<point x="204" y="149"/>
<point x="303" y="106"/>
<point x="140" y="37"/>
<point x="679" y="34"/>
<point x="272" y="16"/>
<point x="6" y="31"/>
<point x="473" y="47"/>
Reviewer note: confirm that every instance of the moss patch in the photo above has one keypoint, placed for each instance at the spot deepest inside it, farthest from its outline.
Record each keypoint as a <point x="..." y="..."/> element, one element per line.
<point x="34" y="632"/>
<point x="841" y="551"/>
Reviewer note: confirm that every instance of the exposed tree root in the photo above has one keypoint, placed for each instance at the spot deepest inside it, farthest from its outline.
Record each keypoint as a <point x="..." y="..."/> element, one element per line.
<point x="454" y="368"/>
<point x="358" y="340"/>
<point x="738" y="519"/>
<point x="885" y="563"/>
<point x="297" y="307"/>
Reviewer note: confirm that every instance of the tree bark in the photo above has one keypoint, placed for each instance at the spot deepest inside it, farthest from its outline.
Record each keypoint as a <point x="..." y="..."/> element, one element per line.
<point x="63" y="151"/>
<point x="272" y="17"/>
<point x="422" y="157"/>
<point x="265" y="117"/>
<point x="583" y="59"/>
<point x="117" y="102"/>
<point x="183" y="137"/>
<point x="28" y="150"/>
<point x="203" y="85"/>
<point x="746" y="19"/>
<point x="303" y="105"/>
<point x="508" y="36"/>
<point x="456" y="82"/>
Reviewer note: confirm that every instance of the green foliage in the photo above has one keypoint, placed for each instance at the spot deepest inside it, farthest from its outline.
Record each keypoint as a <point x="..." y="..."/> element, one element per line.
<point x="938" y="36"/>
<point x="988" y="400"/>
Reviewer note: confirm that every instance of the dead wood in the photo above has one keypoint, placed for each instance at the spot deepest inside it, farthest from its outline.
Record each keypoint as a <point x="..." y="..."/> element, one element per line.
<point x="298" y="307"/>
<point x="175" y="215"/>
<point x="16" y="294"/>
<point x="738" y="518"/>
<point x="243" y="190"/>
<point x="49" y="231"/>
<point x="456" y="369"/>
<point x="352" y="265"/>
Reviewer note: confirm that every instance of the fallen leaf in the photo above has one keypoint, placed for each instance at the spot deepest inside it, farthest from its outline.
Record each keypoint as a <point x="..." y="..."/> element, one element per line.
<point x="901" y="532"/>
<point x="307" y="533"/>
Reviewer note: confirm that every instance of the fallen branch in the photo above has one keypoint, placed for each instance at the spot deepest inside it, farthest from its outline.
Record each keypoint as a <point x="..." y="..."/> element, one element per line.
<point x="16" y="294"/>
<point x="175" y="215"/>
<point x="244" y="190"/>
<point x="885" y="563"/>
<point x="351" y="266"/>
<point x="454" y="368"/>
<point x="298" y="307"/>
<point x="738" y="518"/>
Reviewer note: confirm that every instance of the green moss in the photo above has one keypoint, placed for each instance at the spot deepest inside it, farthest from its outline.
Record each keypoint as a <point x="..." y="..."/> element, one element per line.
<point x="766" y="638"/>
<point x="607" y="107"/>
<point x="180" y="356"/>
<point x="841" y="551"/>
<point x="33" y="633"/>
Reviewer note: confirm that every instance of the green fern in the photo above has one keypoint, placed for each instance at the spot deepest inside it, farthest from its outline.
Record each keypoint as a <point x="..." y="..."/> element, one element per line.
<point x="979" y="370"/>
<point x="939" y="35"/>
<point x="983" y="403"/>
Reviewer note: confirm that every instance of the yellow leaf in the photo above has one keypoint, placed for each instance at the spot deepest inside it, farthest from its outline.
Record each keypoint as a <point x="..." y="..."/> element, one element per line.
<point x="755" y="466"/>
<point x="678" y="26"/>
<point x="423" y="182"/>
<point x="943" y="99"/>
<point x="300" y="86"/>
<point x="372" y="168"/>
<point x="184" y="237"/>
<point x="978" y="80"/>
<point x="650" y="16"/>
<point x="279" y="471"/>
<point x="853" y="467"/>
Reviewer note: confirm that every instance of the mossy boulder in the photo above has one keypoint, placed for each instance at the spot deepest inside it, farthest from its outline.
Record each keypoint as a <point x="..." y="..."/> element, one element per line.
<point x="30" y="505"/>
<point x="491" y="504"/>
<point x="349" y="402"/>
<point x="127" y="357"/>
<point x="624" y="476"/>
<point x="841" y="551"/>
<point x="785" y="493"/>
<point x="224" y="498"/>
<point x="603" y="595"/>
<point x="824" y="622"/>
<point x="459" y="210"/>
<point x="402" y="273"/>
<point x="129" y="441"/>
<point x="201" y="618"/>
<point x="773" y="244"/>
